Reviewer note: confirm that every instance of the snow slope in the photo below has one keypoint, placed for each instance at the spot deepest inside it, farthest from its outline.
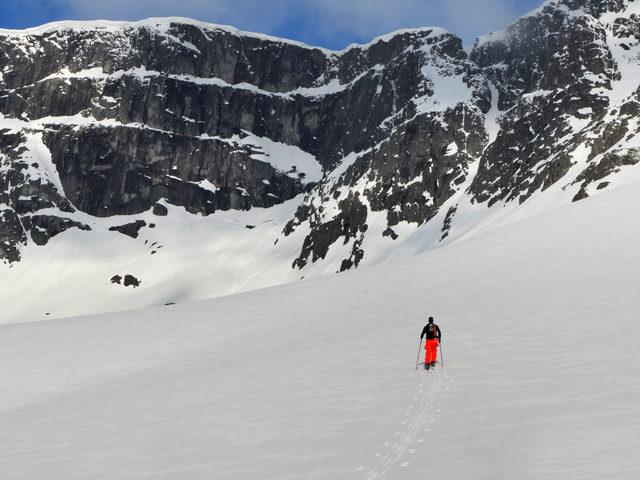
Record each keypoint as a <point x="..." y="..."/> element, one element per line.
<point x="316" y="379"/>
<point x="184" y="258"/>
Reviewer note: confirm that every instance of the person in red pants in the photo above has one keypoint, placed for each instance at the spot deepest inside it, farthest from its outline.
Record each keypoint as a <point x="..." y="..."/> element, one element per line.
<point x="434" y="338"/>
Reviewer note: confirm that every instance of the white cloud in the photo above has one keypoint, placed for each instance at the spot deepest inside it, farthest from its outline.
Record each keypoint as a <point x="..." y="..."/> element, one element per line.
<point x="139" y="9"/>
<point x="467" y="18"/>
<point x="332" y="23"/>
<point x="261" y="16"/>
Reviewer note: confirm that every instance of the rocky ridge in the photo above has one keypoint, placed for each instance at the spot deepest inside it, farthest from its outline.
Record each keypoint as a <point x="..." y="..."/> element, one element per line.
<point x="374" y="143"/>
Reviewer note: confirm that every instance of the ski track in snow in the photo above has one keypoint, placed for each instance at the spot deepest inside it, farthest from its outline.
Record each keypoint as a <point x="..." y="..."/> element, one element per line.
<point x="417" y="422"/>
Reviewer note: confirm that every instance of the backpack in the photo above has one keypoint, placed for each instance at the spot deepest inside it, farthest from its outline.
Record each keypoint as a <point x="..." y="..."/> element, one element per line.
<point x="431" y="330"/>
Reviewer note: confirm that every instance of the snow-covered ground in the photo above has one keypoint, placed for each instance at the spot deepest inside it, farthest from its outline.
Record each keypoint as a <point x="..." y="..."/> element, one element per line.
<point x="316" y="379"/>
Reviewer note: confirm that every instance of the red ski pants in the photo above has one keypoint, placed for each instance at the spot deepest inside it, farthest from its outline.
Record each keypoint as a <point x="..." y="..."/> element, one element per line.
<point x="432" y="350"/>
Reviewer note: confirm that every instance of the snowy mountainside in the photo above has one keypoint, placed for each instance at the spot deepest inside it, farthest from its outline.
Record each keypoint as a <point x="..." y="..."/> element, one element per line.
<point x="540" y="375"/>
<point x="254" y="161"/>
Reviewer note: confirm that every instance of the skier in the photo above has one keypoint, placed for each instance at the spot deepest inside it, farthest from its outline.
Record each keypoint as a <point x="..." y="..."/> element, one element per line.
<point x="434" y="338"/>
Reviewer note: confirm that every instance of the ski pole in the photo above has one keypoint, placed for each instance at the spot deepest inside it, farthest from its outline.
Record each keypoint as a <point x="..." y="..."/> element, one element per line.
<point x="441" y="356"/>
<point x="418" y="359"/>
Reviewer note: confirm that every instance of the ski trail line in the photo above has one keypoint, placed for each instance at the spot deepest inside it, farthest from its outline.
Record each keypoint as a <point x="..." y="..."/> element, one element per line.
<point x="412" y="429"/>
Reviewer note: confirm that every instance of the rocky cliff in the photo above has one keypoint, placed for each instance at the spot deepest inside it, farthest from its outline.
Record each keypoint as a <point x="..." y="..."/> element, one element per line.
<point x="374" y="145"/>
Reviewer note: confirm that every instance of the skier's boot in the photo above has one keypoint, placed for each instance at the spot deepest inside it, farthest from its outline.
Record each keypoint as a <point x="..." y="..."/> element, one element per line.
<point x="433" y="364"/>
<point x="427" y="365"/>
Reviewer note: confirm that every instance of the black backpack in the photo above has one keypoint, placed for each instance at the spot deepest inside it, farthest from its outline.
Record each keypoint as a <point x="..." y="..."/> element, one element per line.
<point x="431" y="330"/>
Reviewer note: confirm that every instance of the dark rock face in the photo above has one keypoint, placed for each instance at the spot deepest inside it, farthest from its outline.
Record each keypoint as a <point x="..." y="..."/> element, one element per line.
<point x="125" y="171"/>
<point x="129" y="280"/>
<point x="44" y="227"/>
<point x="12" y="235"/>
<point x="160" y="210"/>
<point x="554" y="49"/>
<point x="24" y="190"/>
<point x="547" y="67"/>
<point x="410" y="173"/>
<point x="171" y="111"/>
<point x="409" y="177"/>
<point x="121" y="121"/>
<point x="349" y="223"/>
<point x="423" y="163"/>
<point x="130" y="229"/>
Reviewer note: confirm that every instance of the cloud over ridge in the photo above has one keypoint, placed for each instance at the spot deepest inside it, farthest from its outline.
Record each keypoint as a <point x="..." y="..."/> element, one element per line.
<point x="328" y="23"/>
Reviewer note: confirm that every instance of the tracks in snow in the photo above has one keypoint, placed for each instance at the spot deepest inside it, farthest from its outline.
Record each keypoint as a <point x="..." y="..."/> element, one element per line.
<point x="426" y="397"/>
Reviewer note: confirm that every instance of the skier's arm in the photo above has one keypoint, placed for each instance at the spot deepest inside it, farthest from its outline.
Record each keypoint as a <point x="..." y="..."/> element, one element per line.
<point x="439" y="334"/>
<point x="424" y="332"/>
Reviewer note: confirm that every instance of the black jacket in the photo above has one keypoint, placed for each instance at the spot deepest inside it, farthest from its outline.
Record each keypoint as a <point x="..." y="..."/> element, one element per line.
<point x="431" y="336"/>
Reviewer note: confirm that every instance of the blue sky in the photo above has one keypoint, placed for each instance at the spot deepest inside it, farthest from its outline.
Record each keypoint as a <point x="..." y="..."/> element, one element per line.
<point x="327" y="23"/>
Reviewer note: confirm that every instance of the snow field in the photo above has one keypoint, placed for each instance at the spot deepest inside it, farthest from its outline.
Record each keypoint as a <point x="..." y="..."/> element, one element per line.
<point x="316" y="379"/>
<point x="183" y="258"/>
